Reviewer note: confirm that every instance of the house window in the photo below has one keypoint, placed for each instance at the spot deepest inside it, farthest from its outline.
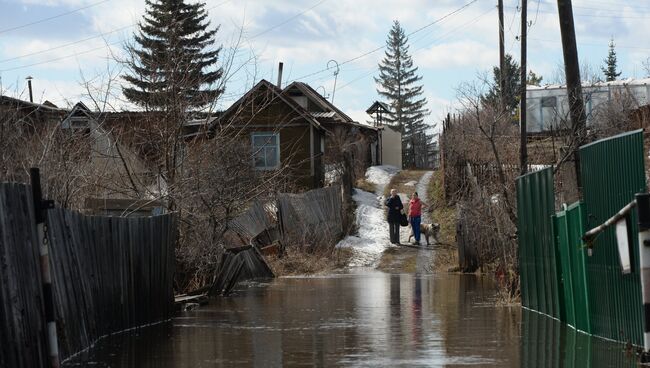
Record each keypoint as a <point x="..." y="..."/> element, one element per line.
<point x="549" y="101"/>
<point x="266" y="150"/>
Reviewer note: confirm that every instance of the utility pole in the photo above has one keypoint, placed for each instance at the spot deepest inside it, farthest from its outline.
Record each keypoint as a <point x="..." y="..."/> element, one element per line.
<point x="502" y="59"/>
<point x="573" y="83"/>
<point x="523" y="150"/>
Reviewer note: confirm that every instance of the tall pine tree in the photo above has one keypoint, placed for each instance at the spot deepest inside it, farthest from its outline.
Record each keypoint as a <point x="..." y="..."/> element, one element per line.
<point x="610" y="68"/>
<point x="398" y="83"/>
<point x="173" y="62"/>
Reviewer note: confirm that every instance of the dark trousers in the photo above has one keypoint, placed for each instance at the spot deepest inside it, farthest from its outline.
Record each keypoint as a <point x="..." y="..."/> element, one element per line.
<point x="393" y="228"/>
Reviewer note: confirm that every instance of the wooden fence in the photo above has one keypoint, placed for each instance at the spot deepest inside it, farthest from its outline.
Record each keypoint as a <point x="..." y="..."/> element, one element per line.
<point x="22" y="325"/>
<point x="108" y="274"/>
<point x="314" y="217"/>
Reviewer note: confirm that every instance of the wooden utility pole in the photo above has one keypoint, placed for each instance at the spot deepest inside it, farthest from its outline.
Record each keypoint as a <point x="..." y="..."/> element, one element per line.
<point x="523" y="149"/>
<point x="573" y="83"/>
<point x="502" y="60"/>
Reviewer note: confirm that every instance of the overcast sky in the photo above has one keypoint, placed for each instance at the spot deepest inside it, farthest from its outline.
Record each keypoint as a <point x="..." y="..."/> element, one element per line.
<point x="460" y="44"/>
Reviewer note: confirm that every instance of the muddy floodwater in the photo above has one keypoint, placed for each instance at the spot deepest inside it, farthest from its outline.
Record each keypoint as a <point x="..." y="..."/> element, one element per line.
<point x="366" y="319"/>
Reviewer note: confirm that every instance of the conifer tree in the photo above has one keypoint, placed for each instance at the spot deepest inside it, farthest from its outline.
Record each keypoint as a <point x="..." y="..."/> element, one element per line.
<point x="398" y="83"/>
<point x="512" y="85"/>
<point x="173" y="61"/>
<point x="610" y="68"/>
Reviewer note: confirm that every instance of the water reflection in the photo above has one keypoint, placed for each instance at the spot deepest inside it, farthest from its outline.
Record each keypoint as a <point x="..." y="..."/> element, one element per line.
<point x="548" y="343"/>
<point x="365" y="320"/>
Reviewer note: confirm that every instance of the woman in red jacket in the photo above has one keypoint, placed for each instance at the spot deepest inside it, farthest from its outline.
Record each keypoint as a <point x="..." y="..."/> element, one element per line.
<point x="415" y="215"/>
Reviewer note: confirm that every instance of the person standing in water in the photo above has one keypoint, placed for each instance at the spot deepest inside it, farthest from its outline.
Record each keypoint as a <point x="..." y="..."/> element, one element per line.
<point x="395" y="207"/>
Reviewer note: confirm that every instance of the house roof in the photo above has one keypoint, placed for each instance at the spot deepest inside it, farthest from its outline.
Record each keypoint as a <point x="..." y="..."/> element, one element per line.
<point x="377" y="105"/>
<point x="278" y="93"/>
<point x="321" y="101"/>
<point x="47" y="106"/>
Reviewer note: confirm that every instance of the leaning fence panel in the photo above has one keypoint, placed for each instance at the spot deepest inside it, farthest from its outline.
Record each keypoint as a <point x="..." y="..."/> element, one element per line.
<point x="314" y="217"/>
<point x="612" y="171"/>
<point x="538" y="257"/>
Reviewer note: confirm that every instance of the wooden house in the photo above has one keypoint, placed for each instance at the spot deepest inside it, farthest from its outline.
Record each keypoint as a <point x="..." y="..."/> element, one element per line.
<point x="296" y="130"/>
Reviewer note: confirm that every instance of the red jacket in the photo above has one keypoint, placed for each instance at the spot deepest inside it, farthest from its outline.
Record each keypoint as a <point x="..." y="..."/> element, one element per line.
<point x="415" y="207"/>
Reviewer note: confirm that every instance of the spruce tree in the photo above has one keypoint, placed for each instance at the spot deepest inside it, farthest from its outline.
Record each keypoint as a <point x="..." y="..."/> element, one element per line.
<point x="512" y="86"/>
<point x="398" y="83"/>
<point x="173" y="61"/>
<point x="610" y="64"/>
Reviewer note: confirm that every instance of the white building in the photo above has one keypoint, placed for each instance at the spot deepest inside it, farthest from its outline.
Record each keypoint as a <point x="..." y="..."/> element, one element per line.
<point x="547" y="106"/>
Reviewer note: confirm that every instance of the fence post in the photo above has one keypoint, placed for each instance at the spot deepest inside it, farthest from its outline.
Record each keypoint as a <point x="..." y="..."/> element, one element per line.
<point x="643" y="208"/>
<point x="40" y="217"/>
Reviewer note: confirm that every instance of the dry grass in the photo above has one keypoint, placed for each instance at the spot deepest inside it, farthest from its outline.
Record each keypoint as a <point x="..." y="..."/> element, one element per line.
<point x="365" y="185"/>
<point x="309" y="261"/>
<point x="446" y="258"/>
<point x="400" y="179"/>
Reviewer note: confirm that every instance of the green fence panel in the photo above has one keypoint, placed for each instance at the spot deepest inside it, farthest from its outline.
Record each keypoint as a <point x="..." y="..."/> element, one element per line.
<point x="612" y="171"/>
<point x="566" y="280"/>
<point x="578" y="255"/>
<point x="537" y="251"/>
<point x="568" y="235"/>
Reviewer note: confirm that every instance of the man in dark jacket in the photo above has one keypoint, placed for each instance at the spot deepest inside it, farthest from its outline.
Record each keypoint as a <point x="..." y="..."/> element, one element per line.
<point x="395" y="206"/>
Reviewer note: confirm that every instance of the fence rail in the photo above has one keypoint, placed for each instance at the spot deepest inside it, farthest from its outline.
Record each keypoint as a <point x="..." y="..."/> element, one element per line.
<point x="108" y="274"/>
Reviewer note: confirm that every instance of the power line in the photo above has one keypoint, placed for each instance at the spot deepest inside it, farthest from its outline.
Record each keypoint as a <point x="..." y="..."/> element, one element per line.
<point x="66" y="44"/>
<point x="99" y="35"/>
<point x="52" y="17"/>
<point x="62" y="57"/>
<point x="289" y="19"/>
<point x="383" y="46"/>
<point x="437" y="40"/>
<point x="81" y="41"/>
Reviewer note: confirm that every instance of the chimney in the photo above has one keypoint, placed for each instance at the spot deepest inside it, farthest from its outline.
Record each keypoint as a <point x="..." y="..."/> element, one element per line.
<point x="29" y="86"/>
<point x="280" y="74"/>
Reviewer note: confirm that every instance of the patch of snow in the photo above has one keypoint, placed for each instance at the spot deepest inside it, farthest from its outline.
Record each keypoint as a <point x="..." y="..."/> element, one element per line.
<point x="411" y="183"/>
<point x="372" y="237"/>
<point x="380" y="176"/>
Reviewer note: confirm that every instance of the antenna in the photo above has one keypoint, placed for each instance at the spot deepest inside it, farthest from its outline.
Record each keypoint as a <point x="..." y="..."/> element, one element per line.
<point x="336" y="74"/>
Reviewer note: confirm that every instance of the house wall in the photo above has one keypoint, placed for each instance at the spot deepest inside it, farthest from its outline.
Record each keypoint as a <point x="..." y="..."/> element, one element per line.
<point x="545" y="107"/>
<point x="391" y="147"/>
<point x="295" y="141"/>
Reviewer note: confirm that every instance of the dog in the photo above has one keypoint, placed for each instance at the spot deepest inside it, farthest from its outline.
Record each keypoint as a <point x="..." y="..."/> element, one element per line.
<point x="428" y="230"/>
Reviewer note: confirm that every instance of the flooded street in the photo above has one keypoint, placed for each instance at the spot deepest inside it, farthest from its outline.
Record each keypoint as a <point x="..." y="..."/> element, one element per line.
<point x="369" y="319"/>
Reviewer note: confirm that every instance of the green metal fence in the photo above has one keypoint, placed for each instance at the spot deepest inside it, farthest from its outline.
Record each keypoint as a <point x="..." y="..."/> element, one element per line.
<point x="612" y="171"/>
<point x="590" y="293"/>
<point x="537" y="252"/>
<point x="568" y="230"/>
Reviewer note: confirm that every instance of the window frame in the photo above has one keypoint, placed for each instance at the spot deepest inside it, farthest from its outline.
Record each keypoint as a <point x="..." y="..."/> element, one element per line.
<point x="257" y="150"/>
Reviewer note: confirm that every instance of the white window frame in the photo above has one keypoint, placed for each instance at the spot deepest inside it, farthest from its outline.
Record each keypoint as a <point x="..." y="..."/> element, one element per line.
<point x="257" y="150"/>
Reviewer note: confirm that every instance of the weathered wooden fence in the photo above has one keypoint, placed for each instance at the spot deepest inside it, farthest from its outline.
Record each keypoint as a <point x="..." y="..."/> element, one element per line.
<point x="22" y="326"/>
<point x="108" y="274"/>
<point x="314" y="217"/>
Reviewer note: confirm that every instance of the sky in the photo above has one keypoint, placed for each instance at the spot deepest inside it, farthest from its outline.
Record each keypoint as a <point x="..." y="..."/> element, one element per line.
<point x="72" y="48"/>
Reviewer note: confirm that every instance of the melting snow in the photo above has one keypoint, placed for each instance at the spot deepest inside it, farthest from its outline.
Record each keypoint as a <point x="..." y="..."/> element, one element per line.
<point x="372" y="238"/>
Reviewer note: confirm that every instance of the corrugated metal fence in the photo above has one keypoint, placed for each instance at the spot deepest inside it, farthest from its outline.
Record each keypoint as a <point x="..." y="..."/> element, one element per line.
<point x="612" y="171"/>
<point x="557" y="277"/>
<point x="537" y="253"/>
<point x="109" y="274"/>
